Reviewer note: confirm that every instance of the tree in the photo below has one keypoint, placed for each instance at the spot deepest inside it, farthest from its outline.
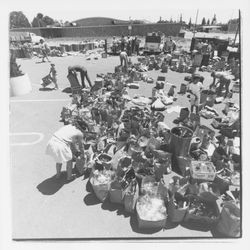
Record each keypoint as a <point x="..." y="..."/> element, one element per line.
<point x="208" y="22"/>
<point x="48" y="20"/>
<point x="214" y="21"/>
<point x="42" y="21"/>
<point x="203" y="22"/>
<point x="190" y="23"/>
<point x="18" y="20"/>
<point x="181" y="19"/>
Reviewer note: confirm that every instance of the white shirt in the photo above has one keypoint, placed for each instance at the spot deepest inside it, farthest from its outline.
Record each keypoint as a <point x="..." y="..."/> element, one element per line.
<point x="196" y="88"/>
<point x="68" y="133"/>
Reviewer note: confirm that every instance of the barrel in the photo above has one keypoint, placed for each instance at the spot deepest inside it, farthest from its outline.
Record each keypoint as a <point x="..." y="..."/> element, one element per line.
<point x="180" y="141"/>
<point x="20" y="85"/>
<point x="75" y="47"/>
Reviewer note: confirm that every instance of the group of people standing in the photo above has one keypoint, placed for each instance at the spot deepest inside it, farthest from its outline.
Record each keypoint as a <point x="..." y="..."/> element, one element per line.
<point x="130" y="44"/>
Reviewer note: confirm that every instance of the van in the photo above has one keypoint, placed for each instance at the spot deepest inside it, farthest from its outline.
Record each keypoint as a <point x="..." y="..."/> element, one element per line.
<point x="153" y="44"/>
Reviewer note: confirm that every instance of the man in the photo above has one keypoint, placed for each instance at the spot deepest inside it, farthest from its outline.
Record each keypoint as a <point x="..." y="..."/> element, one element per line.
<point x="44" y="49"/>
<point x="83" y="73"/>
<point x="124" y="58"/>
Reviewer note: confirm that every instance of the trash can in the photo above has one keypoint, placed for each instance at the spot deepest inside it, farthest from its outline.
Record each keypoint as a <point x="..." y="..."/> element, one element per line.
<point x="180" y="141"/>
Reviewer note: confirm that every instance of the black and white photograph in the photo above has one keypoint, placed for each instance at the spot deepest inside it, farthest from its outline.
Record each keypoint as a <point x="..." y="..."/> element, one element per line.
<point x="125" y="121"/>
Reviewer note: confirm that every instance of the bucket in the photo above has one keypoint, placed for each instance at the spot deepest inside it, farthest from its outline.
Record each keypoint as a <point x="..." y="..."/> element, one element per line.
<point x="180" y="141"/>
<point x="20" y="85"/>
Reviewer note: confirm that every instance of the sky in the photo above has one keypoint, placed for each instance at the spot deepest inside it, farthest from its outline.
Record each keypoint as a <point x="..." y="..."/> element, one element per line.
<point x="124" y="9"/>
<point x="151" y="15"/>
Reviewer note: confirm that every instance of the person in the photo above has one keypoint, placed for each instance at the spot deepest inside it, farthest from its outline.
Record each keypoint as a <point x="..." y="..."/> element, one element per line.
<point x="83" y="73"/>
<point x="53" y="74"/>
<point x="123" y="40"/>
<point x="195" y="88"/>
<point x="44" y="49"/>
<point x="60" y="147"/>
<point x="114" y="45"/>
<point x="129" y="46"/>
<point x="137" y="45"/>
<point x="124" y="59"/>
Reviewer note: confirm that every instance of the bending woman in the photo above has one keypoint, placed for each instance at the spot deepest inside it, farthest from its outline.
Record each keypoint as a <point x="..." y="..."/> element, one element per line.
<point x="59" y="146"/>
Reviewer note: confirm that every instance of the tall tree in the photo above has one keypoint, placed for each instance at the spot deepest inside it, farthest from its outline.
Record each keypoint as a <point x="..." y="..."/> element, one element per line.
<point x="208" y="22"/>
<point x="203" y="22"/>
<point x="190" y="23"/>
<point x="48" y="20"/>
<point x="214" y="21"/>
<point x="18" y="20"/>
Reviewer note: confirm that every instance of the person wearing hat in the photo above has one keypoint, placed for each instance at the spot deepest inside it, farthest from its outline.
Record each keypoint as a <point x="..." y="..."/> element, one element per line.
<point x="195" y="88"/>
<point x="83" y="72"/>
<point x="53" y="74"/>
<point x="61" y="143"/>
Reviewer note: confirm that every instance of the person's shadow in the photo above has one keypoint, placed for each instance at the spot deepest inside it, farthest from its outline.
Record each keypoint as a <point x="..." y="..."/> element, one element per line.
<point x="51" y="185"/>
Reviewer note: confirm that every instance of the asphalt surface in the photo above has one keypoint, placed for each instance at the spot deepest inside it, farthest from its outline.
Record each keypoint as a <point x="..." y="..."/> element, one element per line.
<point x="45" y="208"/>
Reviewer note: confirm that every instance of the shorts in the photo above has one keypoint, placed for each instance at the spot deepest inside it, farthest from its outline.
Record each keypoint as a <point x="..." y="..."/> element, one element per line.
<point x="59" y="150"/>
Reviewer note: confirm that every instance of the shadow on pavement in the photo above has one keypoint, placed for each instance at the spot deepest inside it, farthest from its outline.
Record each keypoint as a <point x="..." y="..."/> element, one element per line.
<point x="46" y="89"/>
<point x="90" y="199"/>
<point x="52" y="185"/>
<point x="192" y="225"/>
<point x="67" y="90"/>
<point x="135" y="228"/>
<point x="89" y="187"/>
<point x="119" y="208"/>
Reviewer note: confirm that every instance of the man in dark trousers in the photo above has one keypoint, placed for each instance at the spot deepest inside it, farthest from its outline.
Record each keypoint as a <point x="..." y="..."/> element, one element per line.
<point x="83" y="73"/>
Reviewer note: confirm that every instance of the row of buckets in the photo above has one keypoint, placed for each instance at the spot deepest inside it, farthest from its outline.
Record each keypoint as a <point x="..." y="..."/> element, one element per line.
<point x="74" y="47"/>
<point x="24" y="53"/>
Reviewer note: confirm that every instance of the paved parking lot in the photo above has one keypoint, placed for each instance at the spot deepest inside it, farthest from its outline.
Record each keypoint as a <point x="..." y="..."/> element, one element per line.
<point x="45" y="208"/>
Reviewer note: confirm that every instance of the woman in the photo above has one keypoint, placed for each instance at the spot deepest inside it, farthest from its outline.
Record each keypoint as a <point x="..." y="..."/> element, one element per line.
<point x="59" y="146"/>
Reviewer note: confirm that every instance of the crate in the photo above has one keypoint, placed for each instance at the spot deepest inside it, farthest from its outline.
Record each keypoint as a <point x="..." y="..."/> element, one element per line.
<point x="203" y="170"/>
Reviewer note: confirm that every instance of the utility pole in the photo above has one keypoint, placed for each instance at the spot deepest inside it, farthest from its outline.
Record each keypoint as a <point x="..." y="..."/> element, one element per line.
<point x="195" y="22"/>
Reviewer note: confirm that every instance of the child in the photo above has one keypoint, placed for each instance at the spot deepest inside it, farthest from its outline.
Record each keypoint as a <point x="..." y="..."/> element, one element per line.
<point x="195" y="88"/>
<point x="60" y="146"/>
<point x="53" y="74"/>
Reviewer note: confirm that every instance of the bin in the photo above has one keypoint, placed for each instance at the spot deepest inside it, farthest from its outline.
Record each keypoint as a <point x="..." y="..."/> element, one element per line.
<point x="180" y="141"/>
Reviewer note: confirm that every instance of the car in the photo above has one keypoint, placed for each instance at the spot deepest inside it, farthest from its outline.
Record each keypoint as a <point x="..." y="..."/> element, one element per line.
<point x="153" y="44"/>
<point x="35" y="39"/>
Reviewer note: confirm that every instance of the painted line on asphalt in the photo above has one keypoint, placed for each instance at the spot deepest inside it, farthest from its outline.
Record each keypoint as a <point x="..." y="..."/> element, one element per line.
<point x="42" y="100"/>
<point x="40" y="138"/>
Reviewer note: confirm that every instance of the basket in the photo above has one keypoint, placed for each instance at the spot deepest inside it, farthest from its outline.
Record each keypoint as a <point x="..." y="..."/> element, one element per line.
<point x="175" y="214"/>
<point x="147" y="224"/>
<point x="130" y="199"/>
<point x="101" y="190"/>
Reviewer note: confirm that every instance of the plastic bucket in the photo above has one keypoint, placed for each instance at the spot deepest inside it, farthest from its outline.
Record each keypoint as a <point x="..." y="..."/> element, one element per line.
<point x="20" y="85"/>
<point x="180" y="140"/>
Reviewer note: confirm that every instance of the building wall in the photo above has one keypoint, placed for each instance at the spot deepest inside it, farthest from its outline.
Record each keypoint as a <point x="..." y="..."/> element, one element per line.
<point x="104" y="31"/>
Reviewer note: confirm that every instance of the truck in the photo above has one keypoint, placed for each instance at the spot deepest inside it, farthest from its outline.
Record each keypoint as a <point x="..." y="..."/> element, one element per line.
<point x="153" y="44"/>
<point x="24" y="37"/>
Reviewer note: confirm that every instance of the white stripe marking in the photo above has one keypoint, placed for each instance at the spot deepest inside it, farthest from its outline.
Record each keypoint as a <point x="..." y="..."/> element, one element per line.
<point x="40" y="135"/>
<point x="42" y="100"/>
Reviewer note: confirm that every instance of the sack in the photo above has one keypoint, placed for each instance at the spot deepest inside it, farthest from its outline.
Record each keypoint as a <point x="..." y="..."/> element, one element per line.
<point x="184" y="113"/>
<point x="183" y="89"/>
<point x="230" y="222"/>
<point x="101" y="190"/>
<point x="130" y="197"/>
<point x="176" y="214"/>
<point x="133" y="85"/>
<point x="116" y="193"/>
<point x="158" y="105"/>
